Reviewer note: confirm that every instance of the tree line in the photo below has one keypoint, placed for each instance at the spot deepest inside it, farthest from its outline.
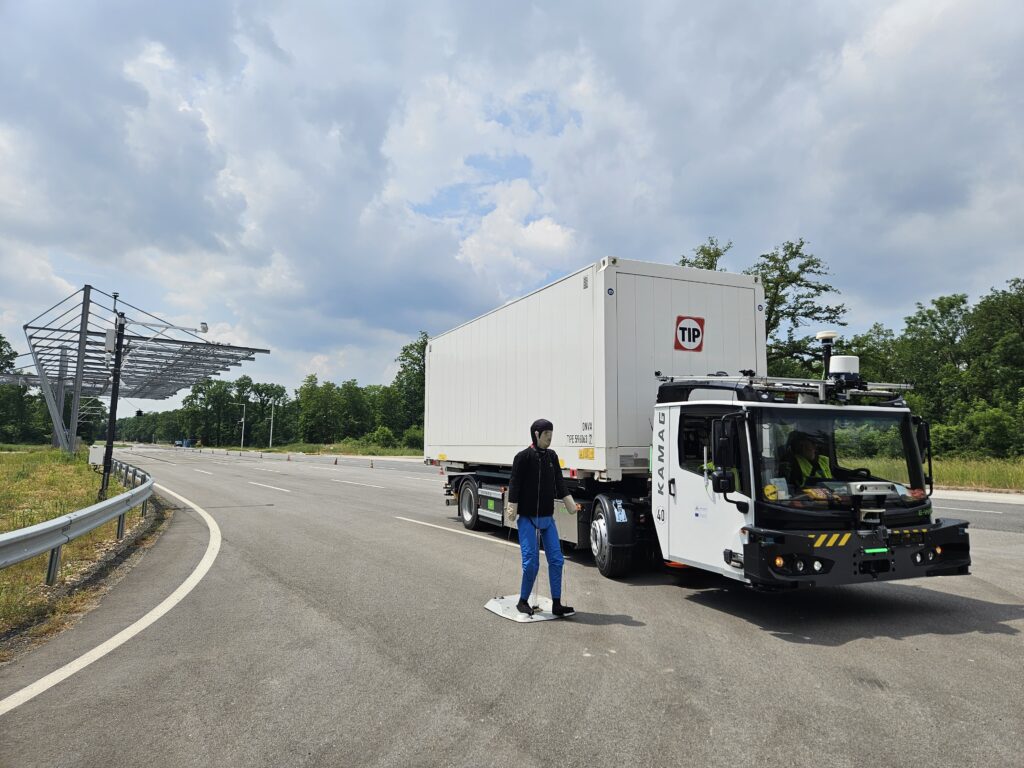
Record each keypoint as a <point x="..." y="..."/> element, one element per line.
<point x="321" y="413"/>
<point x="966" y="362"/>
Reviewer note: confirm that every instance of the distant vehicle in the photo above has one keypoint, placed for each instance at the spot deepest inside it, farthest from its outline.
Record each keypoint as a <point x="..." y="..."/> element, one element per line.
<point x="177" y="443"/>
<point x="695" y="466"/>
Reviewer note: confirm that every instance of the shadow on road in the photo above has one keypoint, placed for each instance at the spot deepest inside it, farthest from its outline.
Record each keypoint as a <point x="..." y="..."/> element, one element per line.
<point x="838" y="615"/>
<point x="605" y="619"/>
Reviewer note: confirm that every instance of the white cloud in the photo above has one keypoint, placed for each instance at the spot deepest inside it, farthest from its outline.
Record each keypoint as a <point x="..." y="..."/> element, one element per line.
<point x="329" y="181"/>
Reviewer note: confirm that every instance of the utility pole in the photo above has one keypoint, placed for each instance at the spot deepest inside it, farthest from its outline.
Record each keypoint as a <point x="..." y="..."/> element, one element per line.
<point x="108" y="454"/>
<point x="242" y="444"/>
<point x="271" y="426"/>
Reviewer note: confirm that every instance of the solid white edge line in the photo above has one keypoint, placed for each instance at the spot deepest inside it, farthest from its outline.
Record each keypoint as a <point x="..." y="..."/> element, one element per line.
<point x="463" y="533"/>
<point x="203" y="471"/>
<point x="263" y="485"/>
<point x="966" y="509"/>
<point x="29" y="692"/>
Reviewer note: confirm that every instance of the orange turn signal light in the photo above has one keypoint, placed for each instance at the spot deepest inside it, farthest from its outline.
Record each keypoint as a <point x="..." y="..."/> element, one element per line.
<point x="938" y="550"/>
<point x="779" y="562"/>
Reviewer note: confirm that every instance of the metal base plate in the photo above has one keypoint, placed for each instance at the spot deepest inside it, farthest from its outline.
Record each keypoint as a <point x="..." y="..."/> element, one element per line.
<point x="506" y="608"/>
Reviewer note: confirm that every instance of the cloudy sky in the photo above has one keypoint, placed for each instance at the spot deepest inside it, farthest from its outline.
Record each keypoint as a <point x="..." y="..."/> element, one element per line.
<point x="327" y="179"/>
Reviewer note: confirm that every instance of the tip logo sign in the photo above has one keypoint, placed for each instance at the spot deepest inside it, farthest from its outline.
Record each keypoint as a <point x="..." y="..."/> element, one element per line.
<point x="689" y="333"/>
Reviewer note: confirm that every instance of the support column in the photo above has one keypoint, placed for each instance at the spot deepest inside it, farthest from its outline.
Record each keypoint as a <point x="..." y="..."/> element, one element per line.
<point x="76" y="400"/>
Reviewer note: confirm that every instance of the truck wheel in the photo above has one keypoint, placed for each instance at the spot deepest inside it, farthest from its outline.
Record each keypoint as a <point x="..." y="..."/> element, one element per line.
<point x="611" y="561"/>
<point x="468" y="504"/>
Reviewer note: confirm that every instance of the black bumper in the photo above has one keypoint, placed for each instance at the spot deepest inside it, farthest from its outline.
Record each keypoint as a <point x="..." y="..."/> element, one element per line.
<point x="820" y="558"/>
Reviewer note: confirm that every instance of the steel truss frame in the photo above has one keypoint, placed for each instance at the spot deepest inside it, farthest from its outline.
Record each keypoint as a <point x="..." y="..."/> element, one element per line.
<point x="68" y="347"/>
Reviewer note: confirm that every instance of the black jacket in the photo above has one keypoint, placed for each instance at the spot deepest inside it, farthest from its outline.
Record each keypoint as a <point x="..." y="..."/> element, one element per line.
<point x="536" y="482"/>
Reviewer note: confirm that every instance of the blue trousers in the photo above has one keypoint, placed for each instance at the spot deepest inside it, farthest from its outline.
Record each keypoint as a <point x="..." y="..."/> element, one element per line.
<point x="528" y="527"/>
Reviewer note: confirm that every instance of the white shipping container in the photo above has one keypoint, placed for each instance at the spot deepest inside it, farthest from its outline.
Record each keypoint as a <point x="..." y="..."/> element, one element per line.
<point x="582" y="352"/>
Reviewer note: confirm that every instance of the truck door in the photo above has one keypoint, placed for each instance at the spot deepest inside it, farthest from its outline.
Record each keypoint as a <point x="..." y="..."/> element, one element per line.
<point x="662" y="483"/>
<point x="701" y="523"/>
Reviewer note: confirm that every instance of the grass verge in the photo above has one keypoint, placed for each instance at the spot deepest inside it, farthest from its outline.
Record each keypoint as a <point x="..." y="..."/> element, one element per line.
<point x="345" y="447"/>
<point x="975" y="474"/>
<point x="39" y="485"/>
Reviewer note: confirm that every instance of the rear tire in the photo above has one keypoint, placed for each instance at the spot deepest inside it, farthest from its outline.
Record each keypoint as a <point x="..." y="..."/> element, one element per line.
<point x="468" y="504"/>
<point x="611" y="561"/>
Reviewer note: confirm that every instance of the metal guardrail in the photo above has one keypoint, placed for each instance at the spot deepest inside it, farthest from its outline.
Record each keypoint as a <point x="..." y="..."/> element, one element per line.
<point x="52" y="535"/>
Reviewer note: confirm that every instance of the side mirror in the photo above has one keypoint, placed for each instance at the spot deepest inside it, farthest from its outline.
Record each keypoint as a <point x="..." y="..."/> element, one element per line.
<point x="924" y="438"/>
<point x="724" y="450"/>
<point x="722" y="481"/>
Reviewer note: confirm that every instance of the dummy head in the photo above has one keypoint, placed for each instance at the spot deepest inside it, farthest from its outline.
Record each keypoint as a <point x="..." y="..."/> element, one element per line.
<point x="540" y="433"/>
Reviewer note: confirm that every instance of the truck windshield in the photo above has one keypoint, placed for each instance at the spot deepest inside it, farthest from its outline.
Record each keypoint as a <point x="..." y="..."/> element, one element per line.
<point x="811" y="459"/>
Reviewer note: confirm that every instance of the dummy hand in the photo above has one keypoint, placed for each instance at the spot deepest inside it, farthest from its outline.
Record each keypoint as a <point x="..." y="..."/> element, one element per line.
<point x="511" y="512"/>
<point x="570" y="504"/>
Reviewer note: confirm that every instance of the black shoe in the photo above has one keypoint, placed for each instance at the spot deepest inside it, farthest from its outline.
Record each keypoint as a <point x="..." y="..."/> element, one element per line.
<point x="524" y="607"/>
<point x="561" y="610"/>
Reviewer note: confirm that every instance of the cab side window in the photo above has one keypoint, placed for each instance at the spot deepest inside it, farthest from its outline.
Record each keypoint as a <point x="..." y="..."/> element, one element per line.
<point x="694" y="443"/>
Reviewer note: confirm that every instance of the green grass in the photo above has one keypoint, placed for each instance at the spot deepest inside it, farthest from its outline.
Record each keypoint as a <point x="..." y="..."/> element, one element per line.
<point x="9" y="448"/>
<point x="38" y="485"/>
<point x="995" y="474"/>
<point x="349" y="447"/>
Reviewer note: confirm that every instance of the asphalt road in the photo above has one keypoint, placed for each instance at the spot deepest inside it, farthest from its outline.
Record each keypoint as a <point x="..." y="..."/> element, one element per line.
<point x="342" y="624"/>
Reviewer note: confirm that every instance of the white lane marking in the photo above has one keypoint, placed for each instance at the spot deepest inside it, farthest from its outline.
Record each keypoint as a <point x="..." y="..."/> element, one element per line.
<point x="261" y="485"/>
<point x="261" y="469"/>
<point x="463" y="533"/>
<point x="29" y="692"/>
<point x="203" y="471"/>
<point x="352" y="482"/>
<point x="967" y="509"/>
<point x="421" y="479"/>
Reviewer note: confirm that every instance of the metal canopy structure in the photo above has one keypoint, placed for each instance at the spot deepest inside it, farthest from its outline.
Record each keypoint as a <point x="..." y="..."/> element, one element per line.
<point x="69" y="346"/>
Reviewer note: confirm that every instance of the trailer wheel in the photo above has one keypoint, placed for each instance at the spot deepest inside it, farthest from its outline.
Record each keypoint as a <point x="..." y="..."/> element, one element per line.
<point x="468" y="503"/>
<point x="611" y="561"/>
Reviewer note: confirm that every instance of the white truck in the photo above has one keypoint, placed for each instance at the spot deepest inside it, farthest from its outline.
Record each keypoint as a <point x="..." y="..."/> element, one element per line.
<point x="676" y="444"/>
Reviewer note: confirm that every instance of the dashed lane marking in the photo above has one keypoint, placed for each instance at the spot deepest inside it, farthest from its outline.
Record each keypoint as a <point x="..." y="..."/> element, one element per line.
<point x="42" y="685"/>
<point x="461" y="533"/>
<point x="203" y="471"/>
<point x="967" y="509"/>
<point x="274" y="487"/>
<point x="352" y="482"/>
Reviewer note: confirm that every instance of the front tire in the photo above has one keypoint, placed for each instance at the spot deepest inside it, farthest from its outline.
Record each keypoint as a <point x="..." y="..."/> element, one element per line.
<point x="611" y="561"/>
<point x="468" y="504"/>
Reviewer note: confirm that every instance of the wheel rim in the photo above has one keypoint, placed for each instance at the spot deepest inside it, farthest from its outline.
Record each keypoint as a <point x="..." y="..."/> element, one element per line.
<point x="466" y="505"/>
<point x="598" y="536"/>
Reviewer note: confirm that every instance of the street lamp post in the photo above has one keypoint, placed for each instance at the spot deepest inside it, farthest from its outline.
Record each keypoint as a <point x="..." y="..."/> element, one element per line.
<point x="271" y="426"/>
<point x="108" y="453"/>
<point x="116" y="345"/>
<point x="242" y="444"/>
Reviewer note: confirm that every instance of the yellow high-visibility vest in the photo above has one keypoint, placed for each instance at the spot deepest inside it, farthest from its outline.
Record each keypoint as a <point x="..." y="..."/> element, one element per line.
<point x="807" y="469"/>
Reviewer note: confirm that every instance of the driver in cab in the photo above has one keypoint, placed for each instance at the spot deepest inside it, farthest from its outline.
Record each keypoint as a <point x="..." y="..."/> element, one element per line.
<point x="809" y="465"/>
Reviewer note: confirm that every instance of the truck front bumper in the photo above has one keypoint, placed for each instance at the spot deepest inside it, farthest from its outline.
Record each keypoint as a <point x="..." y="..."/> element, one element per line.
<point x="826" y="558"/>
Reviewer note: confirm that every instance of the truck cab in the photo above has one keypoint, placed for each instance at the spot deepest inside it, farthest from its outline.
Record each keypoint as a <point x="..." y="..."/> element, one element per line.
<point x="793" y="482"/>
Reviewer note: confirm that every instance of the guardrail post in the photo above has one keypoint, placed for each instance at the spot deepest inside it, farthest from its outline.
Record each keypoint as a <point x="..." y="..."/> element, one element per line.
<point x="53" y="569"/>
<point x="144" y="505"/>
<point x="120" y="526"/>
